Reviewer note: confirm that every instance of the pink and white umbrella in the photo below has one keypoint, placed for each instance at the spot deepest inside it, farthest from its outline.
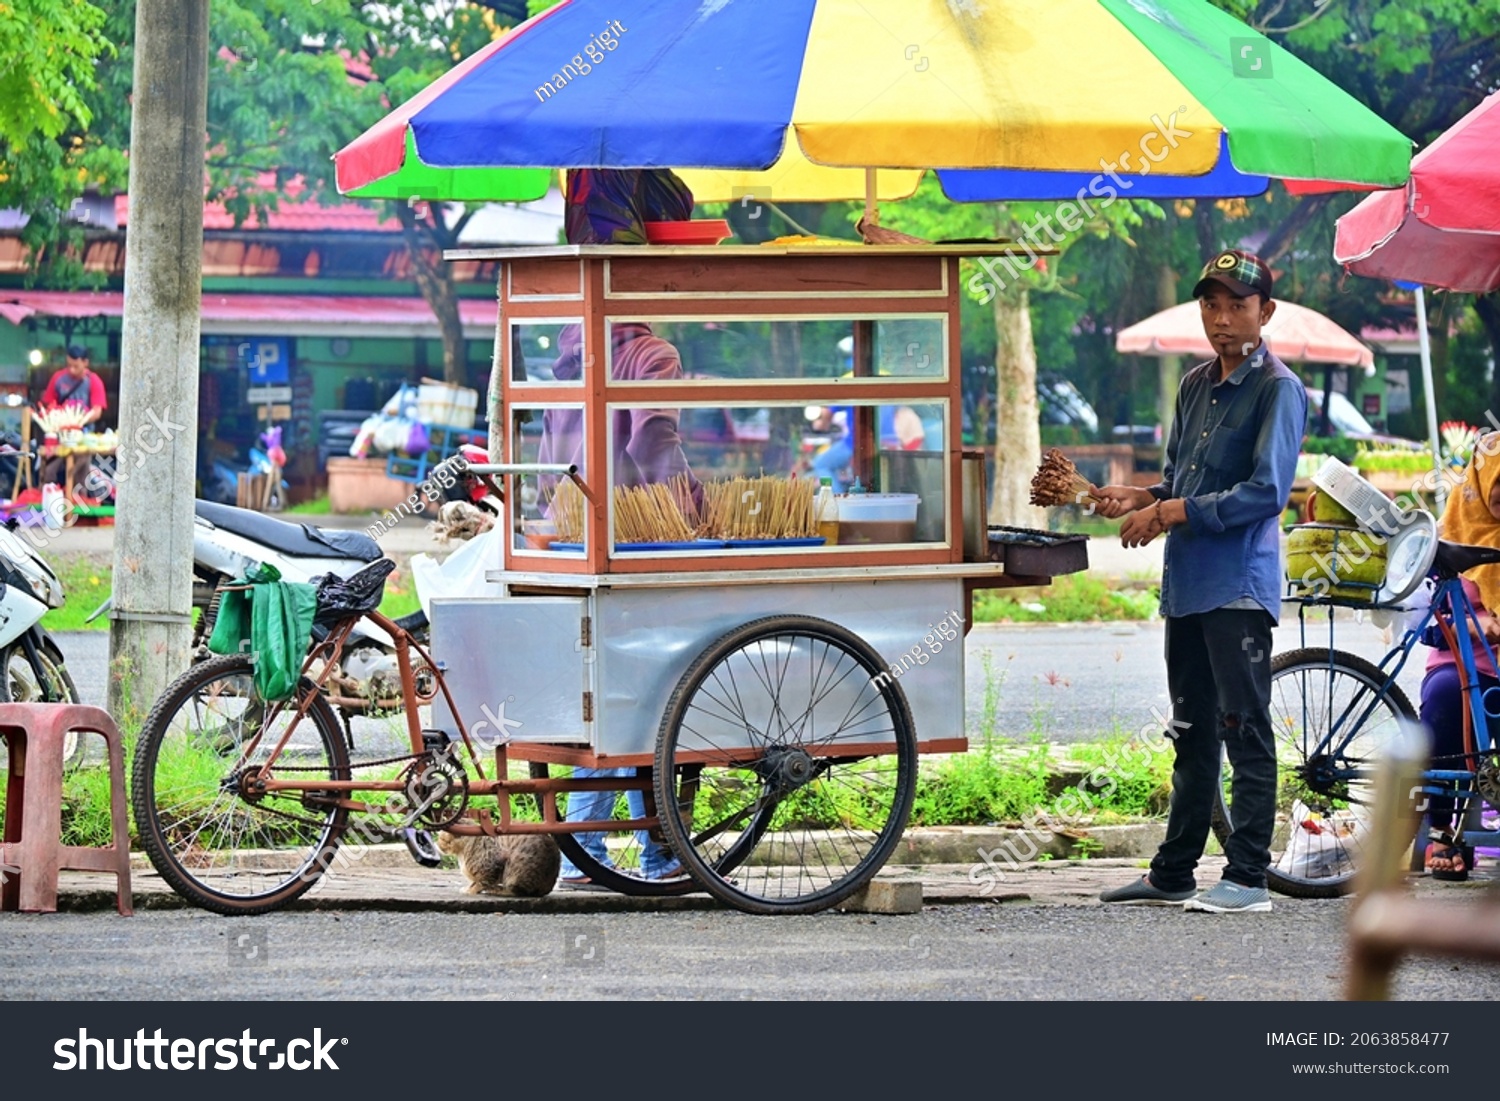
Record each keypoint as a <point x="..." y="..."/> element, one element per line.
<point x="1294" y="333"/>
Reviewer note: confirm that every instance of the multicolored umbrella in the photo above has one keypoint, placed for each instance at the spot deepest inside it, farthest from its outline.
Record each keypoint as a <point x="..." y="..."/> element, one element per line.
<point x="1443" y="228"/>
<point x="799" y="87"/>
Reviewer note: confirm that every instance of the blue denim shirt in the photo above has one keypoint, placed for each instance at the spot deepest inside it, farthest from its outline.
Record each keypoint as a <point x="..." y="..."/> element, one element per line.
<point x="1231" y="455"/>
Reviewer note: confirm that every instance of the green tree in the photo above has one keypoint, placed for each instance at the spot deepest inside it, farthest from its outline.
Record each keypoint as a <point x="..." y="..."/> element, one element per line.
<point x="48" y="155"/>
<point x="291" y="83"/>
<point x="1008" y="286"/>
<point x="1421" y="68"/>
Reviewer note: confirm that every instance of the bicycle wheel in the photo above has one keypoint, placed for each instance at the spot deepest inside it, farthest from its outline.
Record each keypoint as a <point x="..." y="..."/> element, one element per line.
<point x="620" y="869"/>
<point x="1318" y="697"/>
<point x="19" y="683"/>
<point x="794" y="763"/>
<point x="213" y="839"/>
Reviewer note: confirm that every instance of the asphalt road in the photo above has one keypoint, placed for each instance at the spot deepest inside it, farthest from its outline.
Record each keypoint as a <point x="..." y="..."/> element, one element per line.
<point x="971" y="951"/>
<point x="1057" y="682"/>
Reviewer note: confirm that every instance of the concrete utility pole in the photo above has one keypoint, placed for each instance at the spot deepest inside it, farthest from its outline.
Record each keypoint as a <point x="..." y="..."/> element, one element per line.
<point x="153" y="593"/>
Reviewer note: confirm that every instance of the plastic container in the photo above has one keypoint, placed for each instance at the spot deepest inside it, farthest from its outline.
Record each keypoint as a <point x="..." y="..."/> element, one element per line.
<point x="877" y="518"/>
<point x="700" y="231"/>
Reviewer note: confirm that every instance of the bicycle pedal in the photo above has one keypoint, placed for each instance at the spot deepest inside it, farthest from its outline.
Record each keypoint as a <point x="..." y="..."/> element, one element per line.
<point x="422" y="847"/>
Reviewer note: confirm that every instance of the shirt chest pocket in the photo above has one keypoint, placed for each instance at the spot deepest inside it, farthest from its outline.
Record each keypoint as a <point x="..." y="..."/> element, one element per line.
<point x="1231" y="450"/>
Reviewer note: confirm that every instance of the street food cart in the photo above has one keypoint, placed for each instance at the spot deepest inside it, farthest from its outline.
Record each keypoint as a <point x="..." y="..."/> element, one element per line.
<point x="761" y="690"/>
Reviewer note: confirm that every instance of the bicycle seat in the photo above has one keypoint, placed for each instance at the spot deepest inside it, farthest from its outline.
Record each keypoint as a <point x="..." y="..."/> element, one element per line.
<point x="1457" y="558"/>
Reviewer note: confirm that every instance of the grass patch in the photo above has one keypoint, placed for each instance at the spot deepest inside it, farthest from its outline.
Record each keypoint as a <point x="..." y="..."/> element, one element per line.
<point x="316" y="506"/>
<point x="86" y="584"/>
<point x="1076" y="598"/>
<point x="1113" y="781"/>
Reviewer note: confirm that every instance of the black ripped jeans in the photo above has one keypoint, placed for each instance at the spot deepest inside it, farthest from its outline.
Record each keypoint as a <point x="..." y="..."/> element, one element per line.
<point x="1219" y="677"/>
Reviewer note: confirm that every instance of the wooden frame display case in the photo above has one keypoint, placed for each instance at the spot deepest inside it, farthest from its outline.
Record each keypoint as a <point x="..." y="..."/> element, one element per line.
<point x="869" y="332"/>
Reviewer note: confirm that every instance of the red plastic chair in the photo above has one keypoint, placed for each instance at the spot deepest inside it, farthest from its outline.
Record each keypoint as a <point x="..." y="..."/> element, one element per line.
<point x="31" y="850"/>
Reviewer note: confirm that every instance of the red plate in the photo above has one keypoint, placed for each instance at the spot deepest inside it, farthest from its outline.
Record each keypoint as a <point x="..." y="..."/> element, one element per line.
<point x="702" y="231"/>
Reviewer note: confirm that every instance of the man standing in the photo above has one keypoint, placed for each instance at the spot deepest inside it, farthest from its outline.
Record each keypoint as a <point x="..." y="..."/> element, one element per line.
<point x="1231" y="457"/>
<point x="77" y="385"/>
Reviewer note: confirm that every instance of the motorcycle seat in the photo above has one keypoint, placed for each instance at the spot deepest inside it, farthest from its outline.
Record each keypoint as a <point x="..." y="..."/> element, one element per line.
<point x="296" y="540"/>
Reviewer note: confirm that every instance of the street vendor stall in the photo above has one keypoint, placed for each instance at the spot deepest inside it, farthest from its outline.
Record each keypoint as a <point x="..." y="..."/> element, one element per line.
<point x="617" y="651"/>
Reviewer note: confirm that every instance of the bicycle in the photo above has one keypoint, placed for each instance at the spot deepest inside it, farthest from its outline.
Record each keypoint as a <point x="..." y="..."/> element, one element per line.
<point x="242" y="803"/>
<point x="1332" y="711"/>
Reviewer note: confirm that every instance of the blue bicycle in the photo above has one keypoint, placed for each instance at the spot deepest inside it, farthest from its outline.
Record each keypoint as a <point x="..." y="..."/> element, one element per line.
<point x="1333" y="712"/>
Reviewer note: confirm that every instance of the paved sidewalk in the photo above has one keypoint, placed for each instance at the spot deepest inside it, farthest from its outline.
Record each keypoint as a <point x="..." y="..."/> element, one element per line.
<point x="948" y="862"/>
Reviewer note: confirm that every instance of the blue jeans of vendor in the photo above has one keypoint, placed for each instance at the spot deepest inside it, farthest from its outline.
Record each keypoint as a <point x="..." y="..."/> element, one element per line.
<point x="657" y="861"/>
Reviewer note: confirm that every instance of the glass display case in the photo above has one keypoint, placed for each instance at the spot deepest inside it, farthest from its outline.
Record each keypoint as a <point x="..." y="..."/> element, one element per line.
<point x="705" y="394"/>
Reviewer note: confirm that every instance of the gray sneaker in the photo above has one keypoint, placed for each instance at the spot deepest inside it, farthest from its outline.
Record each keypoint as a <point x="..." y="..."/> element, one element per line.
<point x="1146" y="892"/>
<point x="1231" y="898"/>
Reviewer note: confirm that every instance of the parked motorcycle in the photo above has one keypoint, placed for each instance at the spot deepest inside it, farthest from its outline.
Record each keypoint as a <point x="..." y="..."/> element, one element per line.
<point x="32" y="669"/>
<point x="228" y="542"/>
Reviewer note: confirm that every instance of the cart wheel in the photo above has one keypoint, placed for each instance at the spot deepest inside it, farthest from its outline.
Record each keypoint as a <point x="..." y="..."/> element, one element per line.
<point x="625" y="848"/>
<point x="795" y="765"/>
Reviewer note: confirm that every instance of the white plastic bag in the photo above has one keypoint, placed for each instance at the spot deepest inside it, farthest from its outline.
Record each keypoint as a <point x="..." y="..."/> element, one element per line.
<point x="1396" y="620"/>
<point x="1321" y="847"/>
<point x="461" y="573"/>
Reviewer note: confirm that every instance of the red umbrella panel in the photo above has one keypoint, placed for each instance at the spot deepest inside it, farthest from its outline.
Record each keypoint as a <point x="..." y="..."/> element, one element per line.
<point x="1443" y="228"/>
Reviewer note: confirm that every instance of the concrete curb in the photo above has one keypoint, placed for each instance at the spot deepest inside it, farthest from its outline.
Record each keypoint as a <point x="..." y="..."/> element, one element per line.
<point x="953" y="864"/>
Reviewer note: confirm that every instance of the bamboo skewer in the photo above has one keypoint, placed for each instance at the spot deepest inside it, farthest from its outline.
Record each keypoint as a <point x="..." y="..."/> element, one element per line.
<point x="665" y="512"/>
<point x="1057" y="482"/>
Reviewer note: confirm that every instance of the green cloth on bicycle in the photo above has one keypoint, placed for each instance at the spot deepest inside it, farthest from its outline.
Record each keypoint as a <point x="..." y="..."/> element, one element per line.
<point x="272" y="621"/>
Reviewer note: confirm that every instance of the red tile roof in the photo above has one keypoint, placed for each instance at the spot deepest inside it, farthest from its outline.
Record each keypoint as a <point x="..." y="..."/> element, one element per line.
<point x="291" y="216"/>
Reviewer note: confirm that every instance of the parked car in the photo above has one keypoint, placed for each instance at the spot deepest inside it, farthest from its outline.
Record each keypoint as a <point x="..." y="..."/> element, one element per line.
<point x="1060" y="404"/>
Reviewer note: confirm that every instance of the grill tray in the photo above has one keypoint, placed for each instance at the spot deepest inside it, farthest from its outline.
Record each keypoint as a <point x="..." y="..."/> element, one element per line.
<point x="1034" y="553"/>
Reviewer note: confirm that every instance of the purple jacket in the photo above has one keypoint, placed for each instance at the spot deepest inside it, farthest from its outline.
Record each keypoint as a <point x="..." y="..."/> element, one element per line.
<point x="648" y="446"/>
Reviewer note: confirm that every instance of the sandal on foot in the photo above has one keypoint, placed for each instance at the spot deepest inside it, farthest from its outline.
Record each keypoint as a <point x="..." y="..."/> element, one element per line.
<point x="1454" y="855"/>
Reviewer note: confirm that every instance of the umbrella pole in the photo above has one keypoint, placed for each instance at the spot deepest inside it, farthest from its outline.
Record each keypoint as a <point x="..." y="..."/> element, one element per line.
<point x="872" y="207"/>
<point x="1424" y="345"/>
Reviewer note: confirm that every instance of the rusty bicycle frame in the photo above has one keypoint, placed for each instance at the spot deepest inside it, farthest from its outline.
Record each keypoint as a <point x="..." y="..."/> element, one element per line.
<point x="260" y="779"/>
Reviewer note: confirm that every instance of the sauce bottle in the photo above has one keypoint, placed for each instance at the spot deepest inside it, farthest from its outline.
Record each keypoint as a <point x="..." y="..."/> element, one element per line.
<point x="826" y="509"/>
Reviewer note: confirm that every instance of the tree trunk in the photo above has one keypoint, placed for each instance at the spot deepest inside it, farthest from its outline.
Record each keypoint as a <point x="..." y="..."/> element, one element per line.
<point x="1169" y="368"/>
<point x="151" y="625"/>
<point x="436" y="284"/>
<point x="1018" y="438"/>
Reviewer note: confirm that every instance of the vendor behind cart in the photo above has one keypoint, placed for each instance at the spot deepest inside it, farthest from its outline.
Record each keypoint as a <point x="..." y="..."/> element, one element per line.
<point x="611" y="207"/>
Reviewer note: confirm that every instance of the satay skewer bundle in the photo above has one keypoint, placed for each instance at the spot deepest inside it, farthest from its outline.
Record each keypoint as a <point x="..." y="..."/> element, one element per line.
<point x="759" y="508"/>
<point x="1057" y="482"/>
